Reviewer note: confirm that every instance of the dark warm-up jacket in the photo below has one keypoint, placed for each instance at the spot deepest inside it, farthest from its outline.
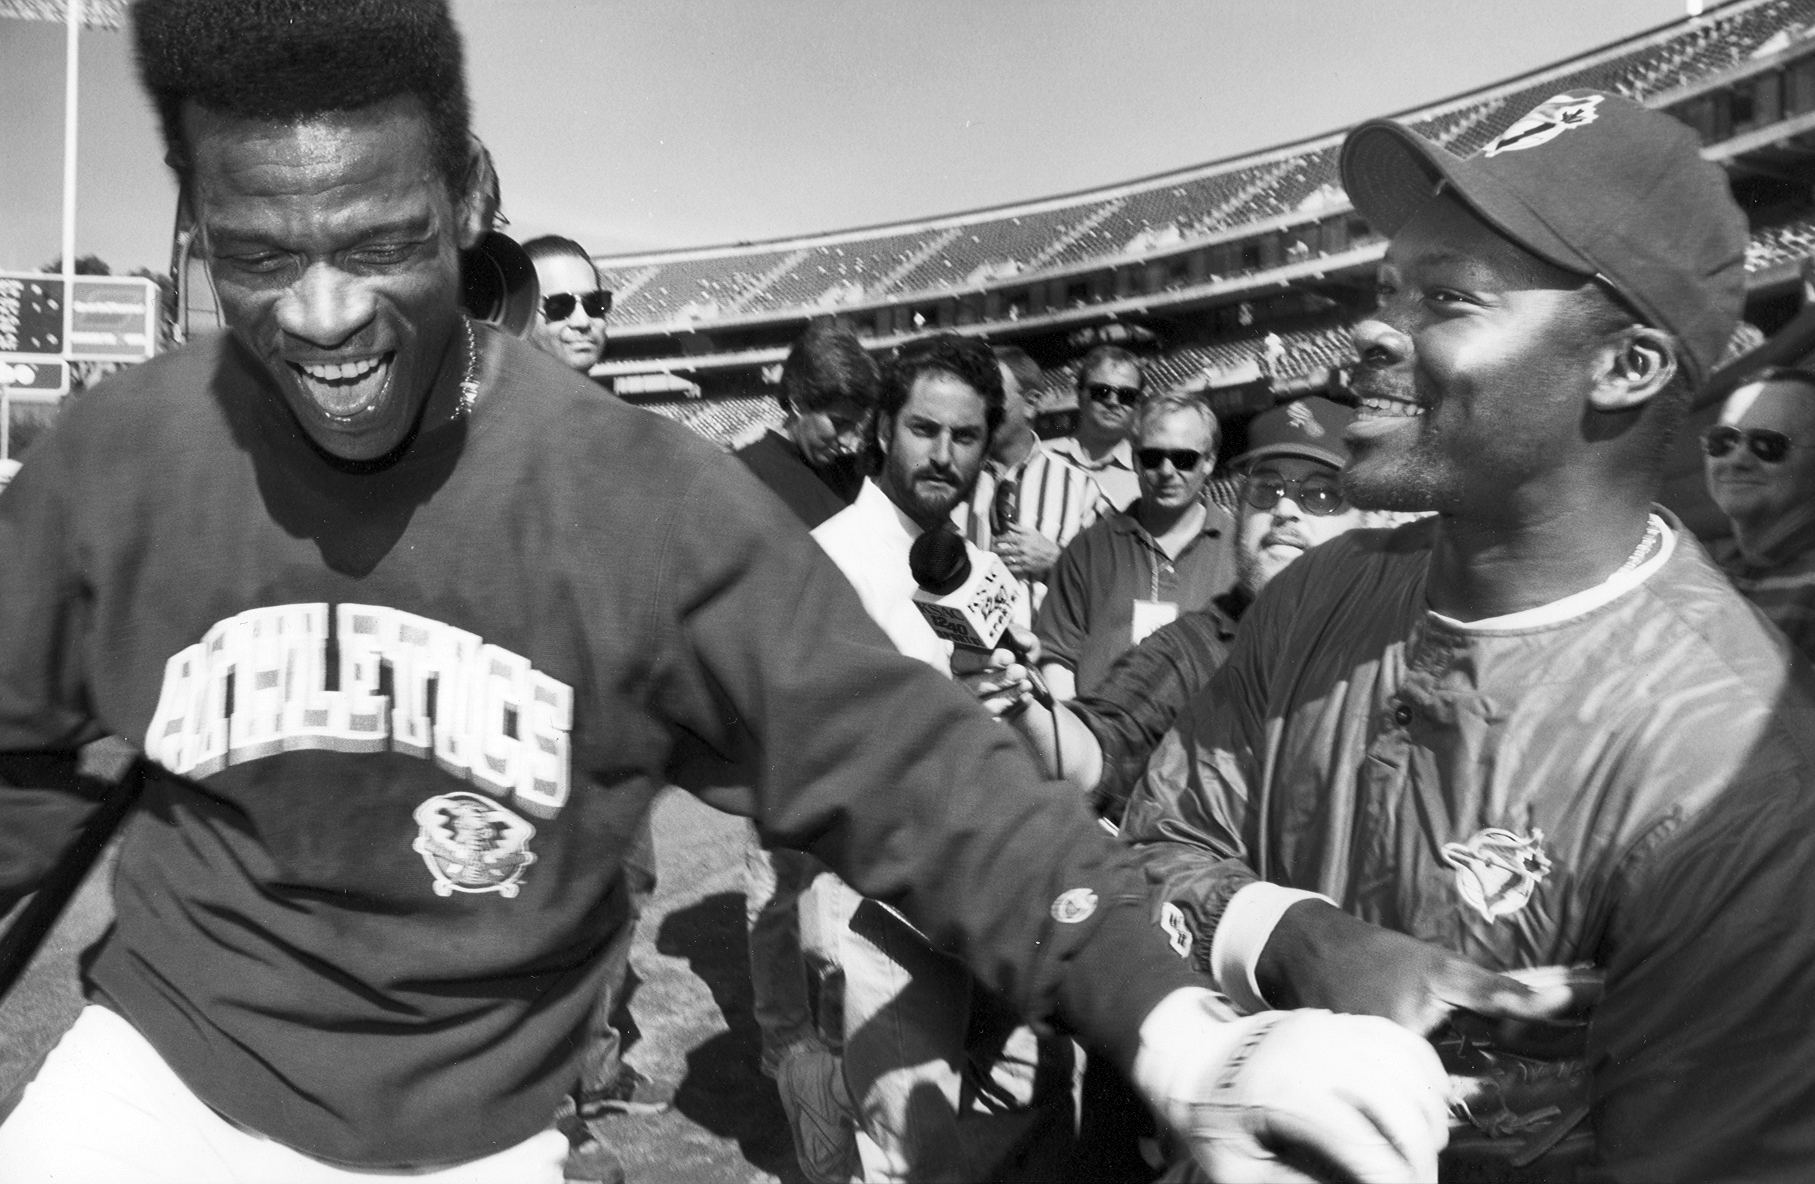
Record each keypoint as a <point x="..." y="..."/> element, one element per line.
<point x="405" y="724"/>
<point x="1633" y="788"/>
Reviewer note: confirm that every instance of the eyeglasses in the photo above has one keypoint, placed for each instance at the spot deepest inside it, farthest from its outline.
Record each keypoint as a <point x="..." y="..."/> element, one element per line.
<point x="1102" y="392"/>
<point x="560" y="306"/>
<point x="1181" y="458"/>
<point x="1767" y="445"/>
<point x="1317" y="496"/>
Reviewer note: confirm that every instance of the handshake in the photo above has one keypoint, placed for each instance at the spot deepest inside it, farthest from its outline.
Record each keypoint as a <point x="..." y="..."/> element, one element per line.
<point x="1310" y="1094"/>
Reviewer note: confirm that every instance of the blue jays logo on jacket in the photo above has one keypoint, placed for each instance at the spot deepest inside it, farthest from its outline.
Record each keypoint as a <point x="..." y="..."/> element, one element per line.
<point x="1497" y="870"/>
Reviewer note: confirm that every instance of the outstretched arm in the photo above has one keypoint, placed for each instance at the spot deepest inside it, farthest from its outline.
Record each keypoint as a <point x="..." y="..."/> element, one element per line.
<point x="895" y="778"/>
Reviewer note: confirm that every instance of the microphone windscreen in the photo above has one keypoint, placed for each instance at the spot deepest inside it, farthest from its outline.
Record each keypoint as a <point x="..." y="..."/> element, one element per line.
<point x="938" y="561"/>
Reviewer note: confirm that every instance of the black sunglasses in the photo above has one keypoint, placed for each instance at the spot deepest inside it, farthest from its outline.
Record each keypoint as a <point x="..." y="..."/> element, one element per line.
<point x="1767" y="445"/>
<point x="1102" y="392"/>
<point x="560" y="306"/>
<point x="1317" y="496"/>
<point x="1181" y="458"/>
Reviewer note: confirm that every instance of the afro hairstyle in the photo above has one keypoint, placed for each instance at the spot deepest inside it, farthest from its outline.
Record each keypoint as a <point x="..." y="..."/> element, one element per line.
<point x="293" y="59"/>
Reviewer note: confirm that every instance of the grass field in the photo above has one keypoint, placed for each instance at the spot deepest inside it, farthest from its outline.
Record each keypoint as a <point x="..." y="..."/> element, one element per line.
<point x="691" y="1011"/>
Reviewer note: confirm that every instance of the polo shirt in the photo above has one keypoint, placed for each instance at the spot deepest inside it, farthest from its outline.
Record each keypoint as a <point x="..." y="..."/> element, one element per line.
<point x="1137" y="702"/>
<point x="1781" y="582"/>
<point x="776" y="461"/>
<point x="1087" y="619"/>
<point x="1114" y="474"/>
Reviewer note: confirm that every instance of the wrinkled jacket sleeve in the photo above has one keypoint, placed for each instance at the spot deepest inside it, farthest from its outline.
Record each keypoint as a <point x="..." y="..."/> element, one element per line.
<point x="1140" y="698"/>
<point x="893" y="775"/>
<point x="43" y="710"/>
<point x="1193" y="817"/>
<point x="1703" y="1054"/>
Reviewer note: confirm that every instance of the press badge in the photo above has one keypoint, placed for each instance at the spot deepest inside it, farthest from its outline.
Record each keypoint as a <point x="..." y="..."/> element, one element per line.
<point x="1150" y="615"/>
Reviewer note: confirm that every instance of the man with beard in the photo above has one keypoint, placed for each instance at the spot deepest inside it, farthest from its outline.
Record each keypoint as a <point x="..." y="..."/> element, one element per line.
<point x="816" y="460"/>
<point x="570" y="319"/>
<point x="1538" y="728"/>
<point x="908" y="1009"/>
<point x="1137" y="569"/>
<point x="1290" y="502"/>
<point x="1760" y="470"/>
<point x="358" y="567"/>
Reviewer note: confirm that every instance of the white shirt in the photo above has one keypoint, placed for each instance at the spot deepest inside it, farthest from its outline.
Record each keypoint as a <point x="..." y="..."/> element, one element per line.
<point x="869" y="542"/>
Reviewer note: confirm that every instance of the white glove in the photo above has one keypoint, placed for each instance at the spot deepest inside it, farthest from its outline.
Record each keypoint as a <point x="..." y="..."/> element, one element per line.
<point x="1279" y="1095"/>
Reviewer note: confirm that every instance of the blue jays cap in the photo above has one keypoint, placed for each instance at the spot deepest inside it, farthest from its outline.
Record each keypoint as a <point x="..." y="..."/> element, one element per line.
<point x="1310" y="427"/>
<point x="1595" y="184"/>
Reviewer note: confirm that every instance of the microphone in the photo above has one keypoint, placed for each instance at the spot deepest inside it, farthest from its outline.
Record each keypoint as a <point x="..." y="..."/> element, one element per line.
<point x="967" y="604"/>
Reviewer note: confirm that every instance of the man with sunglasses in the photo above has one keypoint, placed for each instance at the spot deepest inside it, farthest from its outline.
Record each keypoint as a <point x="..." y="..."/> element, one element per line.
<point x="1291" y="501"/>
<point x="1110" y="388"/>
<point x="570" y="321"/>
<point x="1537" y="729"/>
<point x="1760" y="469"/>
<point x="1169" y="552"/>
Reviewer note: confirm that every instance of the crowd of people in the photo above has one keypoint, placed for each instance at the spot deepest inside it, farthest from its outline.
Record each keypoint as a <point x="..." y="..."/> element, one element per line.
<point x="1404" y="794"/>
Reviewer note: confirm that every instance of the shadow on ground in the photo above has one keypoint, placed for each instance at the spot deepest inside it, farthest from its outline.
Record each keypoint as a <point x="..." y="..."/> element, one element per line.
<point x="724" y="1089"/>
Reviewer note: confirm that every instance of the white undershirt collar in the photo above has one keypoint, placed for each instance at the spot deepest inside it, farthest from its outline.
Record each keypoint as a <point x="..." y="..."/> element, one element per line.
<point x="1577" y="603"/>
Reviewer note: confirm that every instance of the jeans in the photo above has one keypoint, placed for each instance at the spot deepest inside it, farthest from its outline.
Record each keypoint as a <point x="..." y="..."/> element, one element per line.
<point x="603" y="1057"/>
<point x="781" y="984"/>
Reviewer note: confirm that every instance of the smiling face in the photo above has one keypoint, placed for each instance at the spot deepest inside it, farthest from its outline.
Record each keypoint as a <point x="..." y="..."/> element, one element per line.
<point x="334" y="244"/>
<point x="934" y="447"/>
<point x="578" y="340"/>
<point x="1267" y="540"/>
<point x="1754" y="494"/>
<point x="1474" y="370"/>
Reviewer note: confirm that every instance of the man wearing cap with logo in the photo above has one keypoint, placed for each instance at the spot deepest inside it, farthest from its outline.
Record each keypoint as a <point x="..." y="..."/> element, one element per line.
<point x="1538" y="729"/>
<point x="1291" y="501"/>
<point x="1760" y="469"/>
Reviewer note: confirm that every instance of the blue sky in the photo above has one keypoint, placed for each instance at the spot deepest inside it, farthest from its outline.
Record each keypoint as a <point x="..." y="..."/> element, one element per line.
<point x="639" y="125"/>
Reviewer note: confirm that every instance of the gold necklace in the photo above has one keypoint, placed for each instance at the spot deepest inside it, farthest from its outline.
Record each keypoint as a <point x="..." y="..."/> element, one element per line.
<point x="469" y="383"/>
<point x="1653" y="533"/>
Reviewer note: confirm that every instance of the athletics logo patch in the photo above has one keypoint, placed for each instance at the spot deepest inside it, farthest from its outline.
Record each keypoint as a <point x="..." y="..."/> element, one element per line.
<point x="1497" y="870"/>
<point x="472" y="844"/>
<point x="1074" y="905"/>
<point x="1544" y="123"/>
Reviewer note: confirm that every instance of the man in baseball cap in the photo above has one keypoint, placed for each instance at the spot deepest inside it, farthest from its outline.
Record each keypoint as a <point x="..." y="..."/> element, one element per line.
<point x="1536" y="728"/>
<point x="1291" y="492"/>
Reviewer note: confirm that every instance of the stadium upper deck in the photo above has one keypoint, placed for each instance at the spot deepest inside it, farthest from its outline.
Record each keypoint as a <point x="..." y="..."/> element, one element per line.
<point x="1049" y="256"/>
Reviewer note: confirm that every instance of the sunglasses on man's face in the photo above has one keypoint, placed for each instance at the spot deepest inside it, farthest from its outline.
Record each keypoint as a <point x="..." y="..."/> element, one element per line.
<point x="560" y="306"/>
<point x="1317" y="496"/>
<point x="1182" y="458"/>
<point x="1769" y="446"/>
<point x="1102" y="392"/>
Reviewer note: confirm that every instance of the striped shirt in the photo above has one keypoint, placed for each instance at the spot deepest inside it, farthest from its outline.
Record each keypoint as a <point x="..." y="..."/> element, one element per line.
<point x="1053" y="498"/>
<point x="1114" y="474"/>
<point x="1781" y="582"/>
